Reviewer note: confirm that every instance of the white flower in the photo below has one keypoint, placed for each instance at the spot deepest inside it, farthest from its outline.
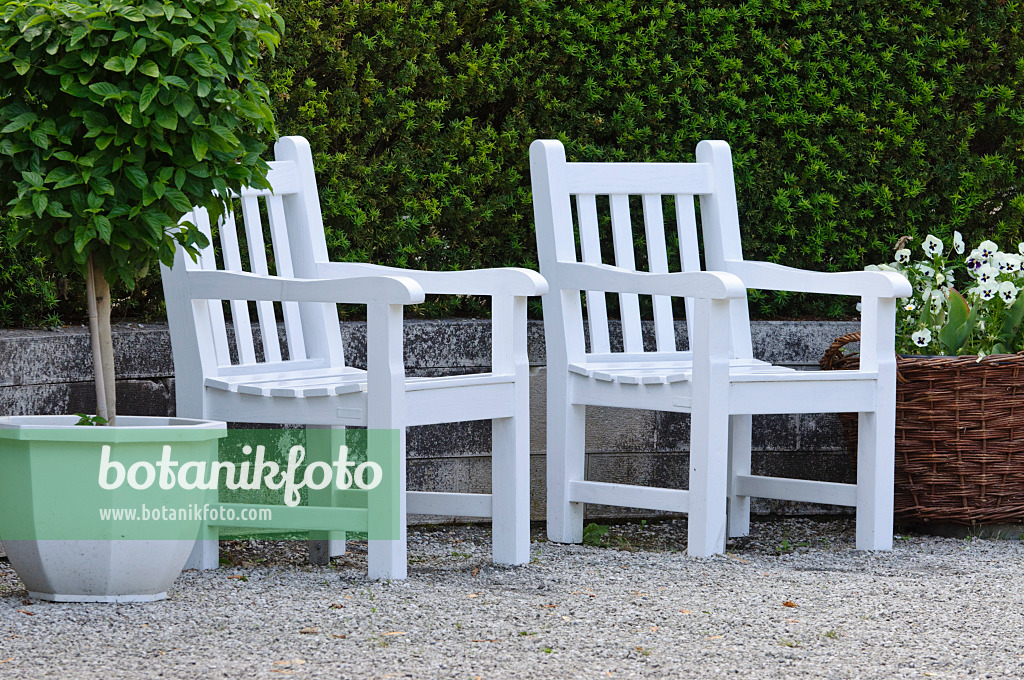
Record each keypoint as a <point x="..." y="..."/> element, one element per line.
<point x="922" y="337"/>
<point x="1020" y="248"/>
<point x="887" y="268"/>
<point x="988" y="291"/>
<point x="1012" y="263"/>
<point x="932" y="246"/>
<point x="924" y="269"/>
<point x="910" y="306"/>
<point x="988" y="249"/>
<point x="1008" y="292"/>
<point x="939" y="278"/>
<point x="986" y="274"/>
<point x="958" y="243"/>
<point x="903" y="255"/>
<point x="975" y="259"/>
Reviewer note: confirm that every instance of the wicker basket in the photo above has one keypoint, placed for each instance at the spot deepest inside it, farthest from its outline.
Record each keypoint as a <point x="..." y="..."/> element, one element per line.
<point x="959" y="436"/>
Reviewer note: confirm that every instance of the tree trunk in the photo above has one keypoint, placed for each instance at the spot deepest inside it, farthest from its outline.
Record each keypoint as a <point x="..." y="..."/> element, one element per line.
<point x="98" y="293"/>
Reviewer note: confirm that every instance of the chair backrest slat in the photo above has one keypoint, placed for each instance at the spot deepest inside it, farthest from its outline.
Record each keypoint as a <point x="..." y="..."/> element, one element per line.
<point x="689" y="248"/>
<point x="239" y="308"/>
<point x="657" y="262"/>
<point x="283" y="260"/>
<point x="590" y="247"/>
<point x="258" y="265"/>
<point x="625" y="257"/>
<point x="207" y="260"/>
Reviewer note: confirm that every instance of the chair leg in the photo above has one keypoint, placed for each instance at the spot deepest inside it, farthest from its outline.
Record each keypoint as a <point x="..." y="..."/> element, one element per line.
<point x="738" y="511"/>
<point x="510" y="487"/>
<point x="876" y="462"/>
<point x="322" y="443"/>
<point x="566" y="461"/>
<point x="388" y="559"/>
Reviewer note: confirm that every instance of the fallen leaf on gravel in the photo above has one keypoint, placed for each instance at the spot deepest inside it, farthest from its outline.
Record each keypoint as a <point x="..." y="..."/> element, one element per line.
<point x="792" y="621"/>
<point x="27" y="612"/>
<point x="309" y="630"/>
<point x="337" y="605"/>
<point x="27" y="602"/>
<point x="566" y="618"/>
<point x="236" y="576"/>
<point x="476" y="570"/>
<point x="684" y="611"/>
<point x="790" y="603"/>
<point x="395" y="632"/>
<point x="473" y="595"/>
<point x="738" y="559"/>
<point x="297" y="662"/>
<point x="494" y="640"/>
<point x="654" y="629"/>
<point x="716" y="637"/>
<point x="7" y="660"/>
<point x="342" y="637"/>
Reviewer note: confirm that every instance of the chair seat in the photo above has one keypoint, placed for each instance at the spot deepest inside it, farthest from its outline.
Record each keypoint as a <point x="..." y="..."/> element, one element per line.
<point x="668" y="372"/>
<point x="325" y="383"/>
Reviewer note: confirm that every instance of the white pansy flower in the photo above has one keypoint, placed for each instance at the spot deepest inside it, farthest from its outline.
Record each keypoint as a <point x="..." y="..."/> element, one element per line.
<point x="988" y="249"/>
<point x="871" y="268"/>
<point x="887" y="268"/>
<point x="903" y="255"/>
<point x="1012" y="263"/>
<point x="940" y="278"/>
<point x="1008" y="292"/>
<point x="932" y="246"/>
<point x="924" y="269"/>
<point x="1020" y="248"/>
<point x="986" y="274"/>
<point x="958" y="243"/>
<point x="975" y="260"/>
<point x="988" y="291"/>
<point x="922" y="337"/>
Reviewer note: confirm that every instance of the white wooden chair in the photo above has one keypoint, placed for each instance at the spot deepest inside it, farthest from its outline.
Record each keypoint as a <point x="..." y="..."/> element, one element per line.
<point x="717" y="381"/>
<point x="307" y="381"/>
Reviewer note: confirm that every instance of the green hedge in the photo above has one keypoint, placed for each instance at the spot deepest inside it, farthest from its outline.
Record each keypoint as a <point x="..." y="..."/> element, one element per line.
<point x="852" y="123"/>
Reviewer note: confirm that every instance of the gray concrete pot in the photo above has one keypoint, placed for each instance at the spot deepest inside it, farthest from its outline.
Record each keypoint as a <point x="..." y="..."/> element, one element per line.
<point x="52" y="498"/>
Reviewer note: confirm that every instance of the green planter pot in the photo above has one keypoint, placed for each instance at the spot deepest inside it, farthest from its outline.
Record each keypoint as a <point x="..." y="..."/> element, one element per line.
<point x="83" y="518"/>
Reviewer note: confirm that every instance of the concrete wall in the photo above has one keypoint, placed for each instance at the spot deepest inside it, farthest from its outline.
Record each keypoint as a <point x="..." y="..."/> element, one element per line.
<point x="50" y="372"/>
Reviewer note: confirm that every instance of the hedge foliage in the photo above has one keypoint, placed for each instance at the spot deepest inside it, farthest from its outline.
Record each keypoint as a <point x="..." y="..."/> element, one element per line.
<point x="851" y="123"/>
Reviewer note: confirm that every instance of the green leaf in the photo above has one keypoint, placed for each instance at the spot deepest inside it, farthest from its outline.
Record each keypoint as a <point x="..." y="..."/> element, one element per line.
<point x="129" y="64"/>
<point x="149" y="68"/>
<point x="106" y="90"/>
<point x="77" y="35"/>
<point x="177" y="199"/>
<point x="149" y="92"/>
<point x="103" y="227"/>
<point x="20" y="122"/>
<point x="199" y="147"/>
<point x="21" y="67"/>
<point x="136" y="176"/>
<point x="39" y="202"/>
<point x="115" y="64"/>
<point x="102" y="185"/>
<point x="167" y="118"/>
<point x="1010" y="334"/>
<point x="39" y="138"/>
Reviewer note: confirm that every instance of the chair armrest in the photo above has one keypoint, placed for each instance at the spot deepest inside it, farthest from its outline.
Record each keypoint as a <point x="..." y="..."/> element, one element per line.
<point x="771" y="276"/>
<point x="502" y="281"/>
<point x="586" y="276"/>
<point x="218" y="285"/>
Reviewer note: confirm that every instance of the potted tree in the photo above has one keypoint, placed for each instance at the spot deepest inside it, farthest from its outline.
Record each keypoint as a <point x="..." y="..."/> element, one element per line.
<point x="115" y="119"/>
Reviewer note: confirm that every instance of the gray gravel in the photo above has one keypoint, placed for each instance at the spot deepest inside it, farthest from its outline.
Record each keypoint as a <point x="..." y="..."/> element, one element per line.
<point x="795" y="600"/>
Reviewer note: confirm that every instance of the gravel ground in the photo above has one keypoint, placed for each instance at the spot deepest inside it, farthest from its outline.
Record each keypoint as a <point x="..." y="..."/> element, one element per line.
<point x="794" y="600"/>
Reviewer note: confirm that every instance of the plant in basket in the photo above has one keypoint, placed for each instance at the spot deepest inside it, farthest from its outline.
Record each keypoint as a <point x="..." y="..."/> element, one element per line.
<point x="960" y="391"/>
